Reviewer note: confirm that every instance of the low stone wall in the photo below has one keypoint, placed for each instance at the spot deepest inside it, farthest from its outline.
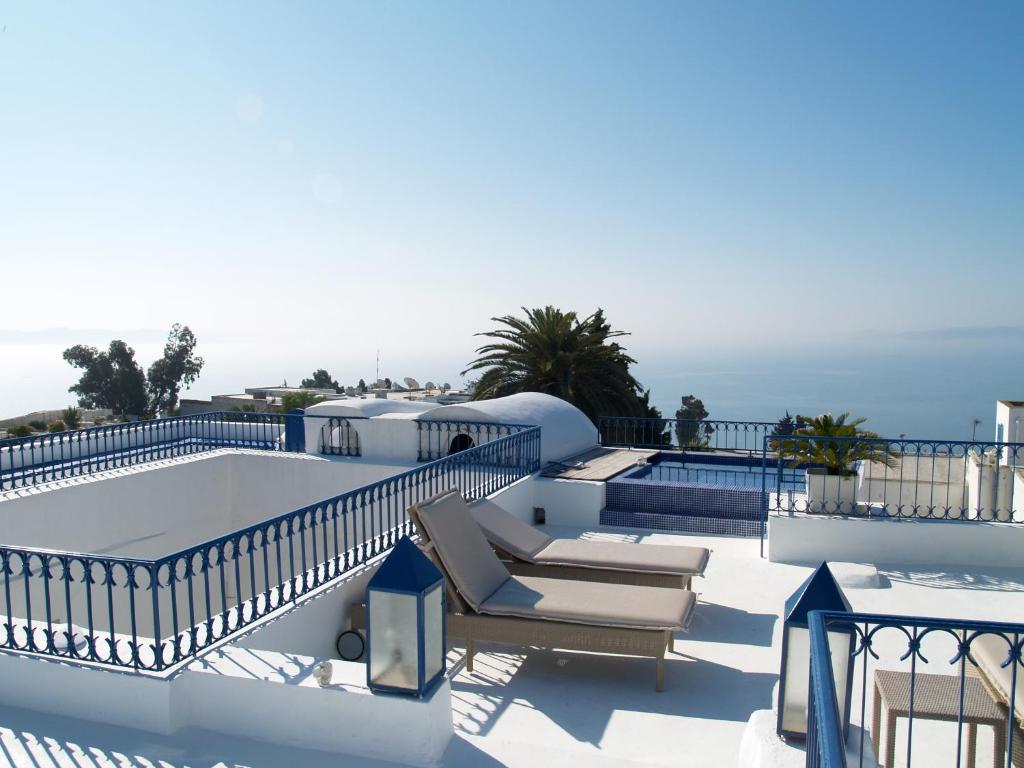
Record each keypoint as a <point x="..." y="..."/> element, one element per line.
<point x="266" y="696"/>
<point x="809" y="539"/>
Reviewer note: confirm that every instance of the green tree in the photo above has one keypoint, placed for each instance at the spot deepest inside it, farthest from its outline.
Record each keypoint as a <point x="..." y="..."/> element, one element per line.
<point x="387" y="383"/>
<point x="294" y="400"/>
<point x="809" y="444"/>
<point x="72" y="417"/>
<point x="787" y="424"/>
<point x="690" y="431"/>
<point x="558" y="353"/>
<point x="110" y="379"/>
<point x="321" y="380"/>
<point x="178" y="367"/>
<point x="56" y="426"/>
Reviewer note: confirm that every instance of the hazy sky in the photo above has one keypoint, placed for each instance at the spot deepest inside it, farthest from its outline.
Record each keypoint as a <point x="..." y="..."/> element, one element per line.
<point x="329" y="178"/>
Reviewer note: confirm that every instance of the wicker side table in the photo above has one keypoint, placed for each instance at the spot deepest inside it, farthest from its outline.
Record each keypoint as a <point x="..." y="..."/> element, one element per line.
<point x="936" y="697"/>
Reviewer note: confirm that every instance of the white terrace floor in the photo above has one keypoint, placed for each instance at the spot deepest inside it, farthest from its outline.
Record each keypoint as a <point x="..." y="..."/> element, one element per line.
<point x="542" y="708"/>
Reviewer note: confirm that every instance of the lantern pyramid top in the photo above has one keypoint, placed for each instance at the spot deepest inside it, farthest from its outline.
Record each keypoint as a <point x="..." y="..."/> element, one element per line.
<point x="820" y="592"/>
<point x="406" y="569"/>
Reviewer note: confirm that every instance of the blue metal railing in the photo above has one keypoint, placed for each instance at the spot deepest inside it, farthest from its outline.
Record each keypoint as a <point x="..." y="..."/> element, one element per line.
<point x="437" y="438"/>
<point x="935" y="663"/>
<point x="28" y="461"/>
<point x="684" y="434"/>
<point x="901" y="478"/>
<point x="153" y="615"/>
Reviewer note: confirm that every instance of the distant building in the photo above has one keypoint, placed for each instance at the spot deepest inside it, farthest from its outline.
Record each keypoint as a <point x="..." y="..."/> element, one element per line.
<point x="259" y="399"/>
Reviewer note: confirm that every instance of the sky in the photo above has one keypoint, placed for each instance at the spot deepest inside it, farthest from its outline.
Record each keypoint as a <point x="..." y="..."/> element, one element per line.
<point x="303" y="184"/>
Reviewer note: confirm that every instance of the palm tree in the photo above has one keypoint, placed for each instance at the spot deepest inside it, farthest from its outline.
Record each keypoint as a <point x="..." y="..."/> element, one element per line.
<point x="556" y="353"/>
<point x="836" y="456"/>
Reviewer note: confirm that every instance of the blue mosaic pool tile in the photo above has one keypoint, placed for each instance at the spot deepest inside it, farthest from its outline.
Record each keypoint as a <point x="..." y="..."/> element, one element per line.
<point x="691" y="507"/>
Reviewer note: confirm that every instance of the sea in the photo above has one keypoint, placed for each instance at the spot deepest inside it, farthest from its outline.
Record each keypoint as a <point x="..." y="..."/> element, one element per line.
<point x="927" y="386"/>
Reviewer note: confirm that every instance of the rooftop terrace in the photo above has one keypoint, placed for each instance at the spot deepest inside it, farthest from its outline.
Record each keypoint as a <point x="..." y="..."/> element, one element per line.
<point x="582" y="709"/>
<point x="240" y="628"/>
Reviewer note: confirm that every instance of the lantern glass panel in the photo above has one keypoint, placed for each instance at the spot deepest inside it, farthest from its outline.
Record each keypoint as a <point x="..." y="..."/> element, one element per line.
<point x="393" y="646"/>
<point x="798" y="665"/>
<point x="433" y="632"/>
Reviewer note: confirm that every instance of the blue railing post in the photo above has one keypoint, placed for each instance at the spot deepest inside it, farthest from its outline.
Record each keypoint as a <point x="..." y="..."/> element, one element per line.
<point x="764" y="490"/>
<point x="295" y="431"/>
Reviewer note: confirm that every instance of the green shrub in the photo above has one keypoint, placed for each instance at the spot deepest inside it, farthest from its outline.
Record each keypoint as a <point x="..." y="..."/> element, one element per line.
<point x="56" y="426"/>
<point x="72" y="417"/>
<point x="294" y="400"/>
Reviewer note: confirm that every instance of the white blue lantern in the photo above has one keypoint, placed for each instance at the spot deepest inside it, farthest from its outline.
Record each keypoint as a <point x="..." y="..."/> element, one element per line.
<point x="820" y="592"/>
<point x="405" y="622"/>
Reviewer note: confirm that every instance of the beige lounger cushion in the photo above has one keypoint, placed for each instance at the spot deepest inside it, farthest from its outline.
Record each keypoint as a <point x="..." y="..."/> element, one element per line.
<point x="989" y="652"/>
<point x="474" y="568"/>
<point x="587" y="602"/>
<point x="526" y="543"/>
<point x="619" y="556"/>
<point x="506" y="530"/>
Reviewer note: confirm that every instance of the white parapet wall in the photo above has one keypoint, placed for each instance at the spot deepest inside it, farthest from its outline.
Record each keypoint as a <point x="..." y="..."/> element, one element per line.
<point x="267" y="696"/>
<point x="809" y="539"/>
<point x="159" y="508"/>
<point x="575" y="503"/>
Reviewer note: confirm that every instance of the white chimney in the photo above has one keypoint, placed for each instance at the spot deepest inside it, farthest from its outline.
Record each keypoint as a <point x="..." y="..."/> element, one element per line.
<point x="1009" y="425"/>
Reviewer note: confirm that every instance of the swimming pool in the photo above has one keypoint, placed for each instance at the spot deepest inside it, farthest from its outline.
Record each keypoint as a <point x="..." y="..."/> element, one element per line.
<point x="709" y="493"/>
<point x="741" y="475"/>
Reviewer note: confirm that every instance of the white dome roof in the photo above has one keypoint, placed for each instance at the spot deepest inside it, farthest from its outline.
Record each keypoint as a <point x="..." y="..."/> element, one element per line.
<point x="565" y="430"/>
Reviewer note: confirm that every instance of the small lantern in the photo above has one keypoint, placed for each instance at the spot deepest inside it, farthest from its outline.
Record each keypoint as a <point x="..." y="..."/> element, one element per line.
<point x="405" y="623"/>
<point x="819" y="593"/>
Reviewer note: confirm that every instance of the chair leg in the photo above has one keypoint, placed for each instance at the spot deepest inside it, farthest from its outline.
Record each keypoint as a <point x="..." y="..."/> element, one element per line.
<point x="660" y="685"/>
<point x="998" y="746"/>
<point x="470" y="649"/>
<point x="890" y="740"/>
<point x="876" y="722"/>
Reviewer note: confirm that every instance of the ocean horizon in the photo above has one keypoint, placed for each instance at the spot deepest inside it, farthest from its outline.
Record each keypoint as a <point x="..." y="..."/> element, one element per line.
<point x="927" y="387"/>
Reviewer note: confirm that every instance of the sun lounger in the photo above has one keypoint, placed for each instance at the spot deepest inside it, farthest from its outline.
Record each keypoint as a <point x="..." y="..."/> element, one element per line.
<point x="988" y="652"/>
<point x="490" y="605"/>
<point x="532" y="552"/>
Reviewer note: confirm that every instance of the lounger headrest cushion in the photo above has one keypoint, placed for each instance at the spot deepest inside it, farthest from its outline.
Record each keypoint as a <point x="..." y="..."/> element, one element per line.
<point x="508" y="531"/>
<point x="467" y="557"/>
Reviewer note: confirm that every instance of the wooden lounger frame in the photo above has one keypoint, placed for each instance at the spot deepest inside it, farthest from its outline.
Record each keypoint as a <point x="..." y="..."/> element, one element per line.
<point x="519" y="567"/>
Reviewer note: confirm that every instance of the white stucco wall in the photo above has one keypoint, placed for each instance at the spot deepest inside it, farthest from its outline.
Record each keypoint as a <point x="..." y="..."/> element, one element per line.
<point x="809" y="539"/>
<point x="565" y="502"/>
<point x="517" y="499"/>
<point x="266" y="696"/>
<point x="990" y="490"/>
<point x="570" y="502"/>
<point x="1010" y="426"/>
<point x="154" y="509"/>
<point x="313" y="627"/>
